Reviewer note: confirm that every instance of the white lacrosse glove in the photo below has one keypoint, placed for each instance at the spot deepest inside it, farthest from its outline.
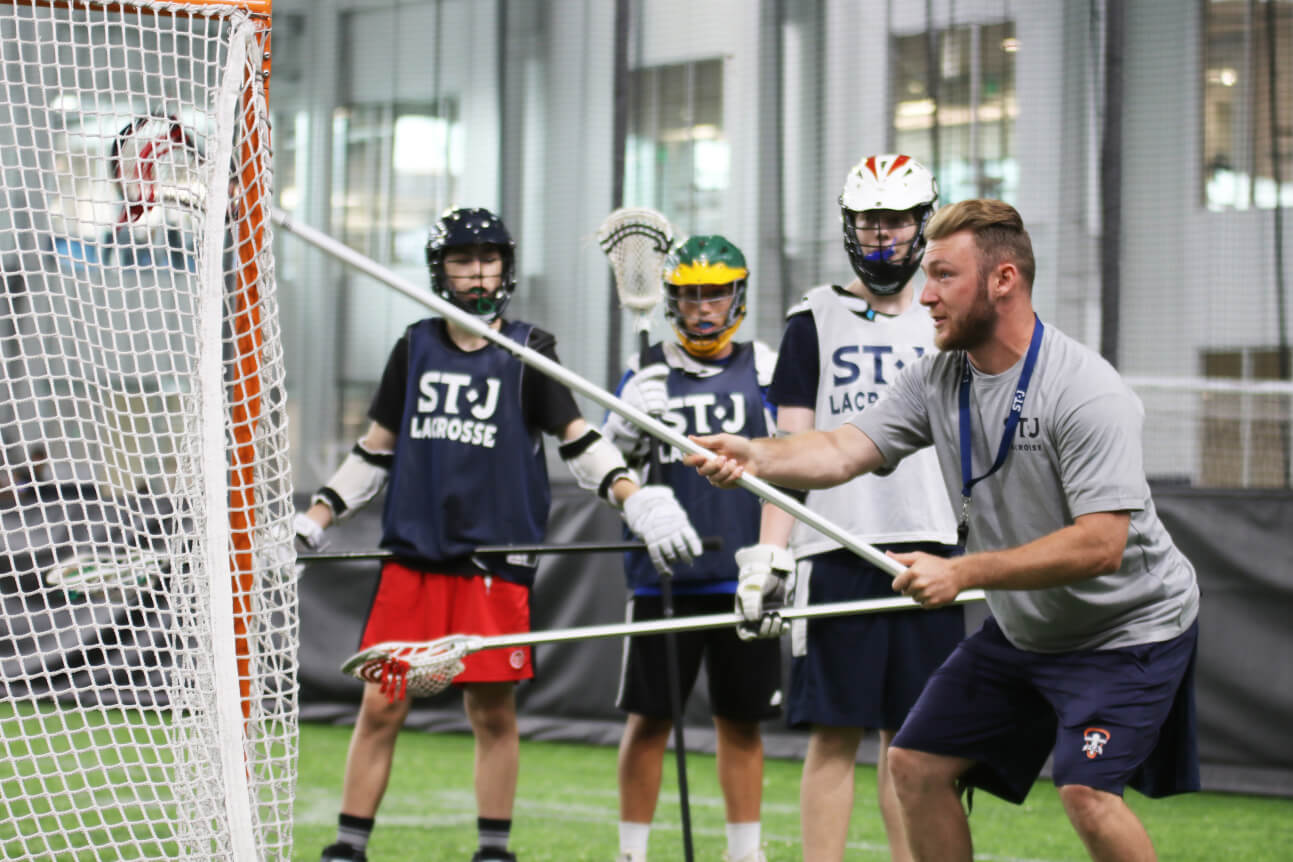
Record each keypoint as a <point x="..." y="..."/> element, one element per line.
<point x="653" y="512"/>
<point x="647" y="391"/>
<point x="761" y="589"/>
<point x="309" y="535"/>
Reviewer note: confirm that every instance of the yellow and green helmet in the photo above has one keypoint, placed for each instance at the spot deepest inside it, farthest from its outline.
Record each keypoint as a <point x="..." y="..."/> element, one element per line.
<point x="698" y="262"/>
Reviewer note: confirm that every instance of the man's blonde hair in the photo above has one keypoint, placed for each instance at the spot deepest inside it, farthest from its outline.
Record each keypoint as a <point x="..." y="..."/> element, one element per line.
<point x="998" y="230"/>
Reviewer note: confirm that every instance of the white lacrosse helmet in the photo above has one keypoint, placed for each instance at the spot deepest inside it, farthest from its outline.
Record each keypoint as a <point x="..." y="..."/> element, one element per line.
<point x="891" y="182"/>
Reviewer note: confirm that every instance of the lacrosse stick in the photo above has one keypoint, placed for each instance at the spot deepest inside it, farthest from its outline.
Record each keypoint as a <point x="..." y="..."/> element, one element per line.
<point x="538" y="361"/>
<point x="637" y="240"/>
<point x="93" y="574"/>
<point x="425" y="668"/>
<point x="710" y="543"/>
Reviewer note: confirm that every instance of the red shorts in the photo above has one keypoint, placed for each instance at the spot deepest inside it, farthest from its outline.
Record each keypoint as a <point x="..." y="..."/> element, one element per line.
<point x="422" y="606"/>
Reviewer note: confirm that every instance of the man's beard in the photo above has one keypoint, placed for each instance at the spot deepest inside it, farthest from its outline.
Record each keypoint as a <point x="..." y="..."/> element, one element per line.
<point x="978" y="325"/>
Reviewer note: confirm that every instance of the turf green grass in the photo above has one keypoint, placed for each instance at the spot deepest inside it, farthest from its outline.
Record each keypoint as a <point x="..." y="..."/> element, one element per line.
<point x="567" y="810"/>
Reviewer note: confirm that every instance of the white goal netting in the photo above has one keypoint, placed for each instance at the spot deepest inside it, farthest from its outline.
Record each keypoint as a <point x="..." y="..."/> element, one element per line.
<point x="148" y="622"/>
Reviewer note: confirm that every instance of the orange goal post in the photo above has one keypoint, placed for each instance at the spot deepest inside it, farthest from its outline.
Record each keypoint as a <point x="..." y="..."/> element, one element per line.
<point x="148" y="616"/>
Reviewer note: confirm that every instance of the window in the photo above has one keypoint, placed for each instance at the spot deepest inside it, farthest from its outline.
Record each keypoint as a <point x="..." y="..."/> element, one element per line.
<point x="1240" y="171"/>
<point x="397" y="167"/>
<point x="957" y="115"/>
<point x="1245" y="430"/>
<point x="400" y="167"/>
<point x="677" y="156"/>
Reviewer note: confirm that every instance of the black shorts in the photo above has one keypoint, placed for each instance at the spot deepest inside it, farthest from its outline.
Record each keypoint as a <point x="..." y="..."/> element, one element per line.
<point x="744" y="676"/>
<point x="865" y="670"/>
<point x="1112" y="718"/>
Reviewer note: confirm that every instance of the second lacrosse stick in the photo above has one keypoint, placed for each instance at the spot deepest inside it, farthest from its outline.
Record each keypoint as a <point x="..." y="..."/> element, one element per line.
<point x="426" y="668"/>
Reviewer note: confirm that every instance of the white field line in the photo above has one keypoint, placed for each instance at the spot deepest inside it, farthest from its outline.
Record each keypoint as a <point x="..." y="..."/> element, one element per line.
<point x="317" y="807"/>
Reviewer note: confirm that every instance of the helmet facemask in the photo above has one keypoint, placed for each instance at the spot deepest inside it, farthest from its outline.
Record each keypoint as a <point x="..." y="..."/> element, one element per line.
<point x="885" y="247"/>
<point x="465" y="229"/>
<point x="881" y="191"/>
<point x="700" y="275"/>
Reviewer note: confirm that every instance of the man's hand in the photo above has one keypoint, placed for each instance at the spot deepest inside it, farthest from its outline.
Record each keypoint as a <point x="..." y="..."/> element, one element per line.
<point x="659" y="520"/>
<point x="761" y="589"/>
<point x="729" y="461"/>
<point x="930" y="581"/>
<point x="309" y="535"/>
<point x="646" y="390"/>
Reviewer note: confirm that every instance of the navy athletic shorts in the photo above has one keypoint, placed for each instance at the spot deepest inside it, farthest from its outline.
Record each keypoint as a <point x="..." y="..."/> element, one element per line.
<point x="1112" y="718"/>
<point x="866" y="670"/>
<point x="744" y="676"/>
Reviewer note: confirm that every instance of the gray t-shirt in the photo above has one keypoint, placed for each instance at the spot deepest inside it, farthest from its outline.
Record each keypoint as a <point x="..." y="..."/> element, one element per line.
<point x="1077" y="450"/>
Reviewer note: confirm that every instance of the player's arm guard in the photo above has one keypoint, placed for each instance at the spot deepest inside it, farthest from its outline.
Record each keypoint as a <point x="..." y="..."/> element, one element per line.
<point x="594" y="463"/>
<point x="359" y="479"/>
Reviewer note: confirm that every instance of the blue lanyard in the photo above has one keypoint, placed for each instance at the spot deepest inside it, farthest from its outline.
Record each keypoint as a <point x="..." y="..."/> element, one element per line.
<point x="1012" y="421"/>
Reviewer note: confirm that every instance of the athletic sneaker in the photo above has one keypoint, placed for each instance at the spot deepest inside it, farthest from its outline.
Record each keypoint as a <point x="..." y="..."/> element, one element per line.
<point x="494" y="855"/>
<point x="343" y="853"/>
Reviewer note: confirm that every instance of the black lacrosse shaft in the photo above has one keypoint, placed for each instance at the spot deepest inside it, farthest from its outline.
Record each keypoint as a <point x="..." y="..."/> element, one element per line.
<point x="670" y="643"/>
<point x="710" y="543"/>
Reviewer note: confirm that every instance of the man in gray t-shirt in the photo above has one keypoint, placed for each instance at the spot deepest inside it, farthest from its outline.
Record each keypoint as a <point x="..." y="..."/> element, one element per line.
<point x="1076" y="451"/>
<point x="1088" y="656"/>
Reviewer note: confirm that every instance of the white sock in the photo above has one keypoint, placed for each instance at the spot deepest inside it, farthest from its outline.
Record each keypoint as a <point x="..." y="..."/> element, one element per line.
<point x="743" y="839"/>
<point x="633" y="840"/>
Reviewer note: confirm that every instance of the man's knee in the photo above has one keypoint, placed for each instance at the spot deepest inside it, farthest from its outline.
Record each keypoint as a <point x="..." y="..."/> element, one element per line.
<point x="1087" y="807"/>
<point x="915" y="773"/>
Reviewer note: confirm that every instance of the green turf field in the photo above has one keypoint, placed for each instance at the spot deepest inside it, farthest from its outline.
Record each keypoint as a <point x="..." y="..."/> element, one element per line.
<point x="566" y="811"/>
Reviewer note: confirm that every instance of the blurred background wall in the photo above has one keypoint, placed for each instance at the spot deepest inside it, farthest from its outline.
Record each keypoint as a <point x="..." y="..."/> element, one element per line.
<point x="1146" y="143"/>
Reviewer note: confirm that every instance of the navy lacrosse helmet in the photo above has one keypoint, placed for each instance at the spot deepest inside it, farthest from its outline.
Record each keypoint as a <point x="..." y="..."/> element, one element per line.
<point x="469" y="227"/>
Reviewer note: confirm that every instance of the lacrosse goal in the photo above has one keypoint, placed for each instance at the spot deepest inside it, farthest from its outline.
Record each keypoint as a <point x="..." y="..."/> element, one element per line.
<point x="149" y="628"/>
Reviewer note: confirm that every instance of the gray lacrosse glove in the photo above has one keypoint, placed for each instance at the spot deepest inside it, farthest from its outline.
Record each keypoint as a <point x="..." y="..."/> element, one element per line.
<point x="653" y="512"/>
<point x="761" y="589"/>
<point x="309" y="535"/>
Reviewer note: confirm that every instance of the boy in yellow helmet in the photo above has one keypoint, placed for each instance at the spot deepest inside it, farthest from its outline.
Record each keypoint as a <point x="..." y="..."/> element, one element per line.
<point x="703" y="380"/>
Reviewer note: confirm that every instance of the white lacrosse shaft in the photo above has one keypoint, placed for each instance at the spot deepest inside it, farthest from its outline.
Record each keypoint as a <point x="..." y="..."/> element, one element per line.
<point x="475" y="643"/>
<point x="573" y="381"/>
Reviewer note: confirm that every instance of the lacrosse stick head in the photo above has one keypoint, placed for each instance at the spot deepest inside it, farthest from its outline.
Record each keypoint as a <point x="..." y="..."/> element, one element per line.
<point x="705" y="280"/>
<point x="96" y="574"/>
<point x="412" y="669"/>
<point x="155" y="162"/>
<point x="637" y="241"/>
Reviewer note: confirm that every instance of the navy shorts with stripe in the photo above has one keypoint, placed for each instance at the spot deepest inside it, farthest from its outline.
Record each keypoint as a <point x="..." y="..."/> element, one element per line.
<point x="866" y="670"/>
<point x="744" y="676"/>
<point x="1112" y="718"/>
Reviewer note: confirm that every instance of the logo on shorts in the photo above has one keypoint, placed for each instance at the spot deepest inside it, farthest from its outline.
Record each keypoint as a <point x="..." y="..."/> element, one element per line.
<point x="517" y="659"/>
<point x="1094" y="740"/>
